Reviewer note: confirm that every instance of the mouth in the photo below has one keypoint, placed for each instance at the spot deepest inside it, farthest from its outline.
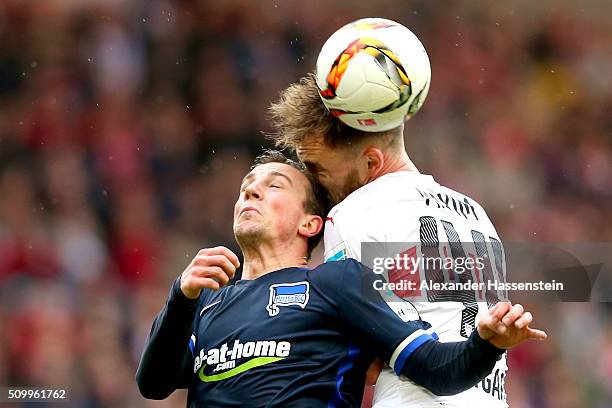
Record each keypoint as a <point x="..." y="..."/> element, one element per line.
<point x="249" y="209"/>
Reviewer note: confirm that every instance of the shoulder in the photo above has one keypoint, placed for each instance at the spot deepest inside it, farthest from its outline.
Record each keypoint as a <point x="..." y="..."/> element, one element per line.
<point x="468" y="207"/>
<point x="335" y="266"/>
<point x="208" y="297"/>
<point x="368" y="213"/>
<point x="393" y="187"/>
<point x="335" y="271"/>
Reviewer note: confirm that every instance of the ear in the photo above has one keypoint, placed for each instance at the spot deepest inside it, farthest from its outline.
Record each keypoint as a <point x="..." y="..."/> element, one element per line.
<point x="374" y="159"/>
<point x="311" y="226"/>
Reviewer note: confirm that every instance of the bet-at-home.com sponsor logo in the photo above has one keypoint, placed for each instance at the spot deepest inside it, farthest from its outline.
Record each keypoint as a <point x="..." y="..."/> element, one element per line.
<point x="224" y="359"/>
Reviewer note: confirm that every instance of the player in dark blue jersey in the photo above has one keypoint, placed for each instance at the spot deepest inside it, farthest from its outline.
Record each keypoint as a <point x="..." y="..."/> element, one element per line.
<point x="285" y="335"/>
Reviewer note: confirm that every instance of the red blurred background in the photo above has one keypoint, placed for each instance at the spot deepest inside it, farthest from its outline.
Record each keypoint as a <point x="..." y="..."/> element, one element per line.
<point x="125" y="128"/>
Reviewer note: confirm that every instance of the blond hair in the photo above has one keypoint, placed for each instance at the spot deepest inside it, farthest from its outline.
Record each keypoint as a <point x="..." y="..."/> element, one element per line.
<point x="300" y="113"/>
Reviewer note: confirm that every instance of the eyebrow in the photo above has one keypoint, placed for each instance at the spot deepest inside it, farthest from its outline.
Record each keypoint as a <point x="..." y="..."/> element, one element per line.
<point x="271" y="172"/>
<point x="278" y="173"/>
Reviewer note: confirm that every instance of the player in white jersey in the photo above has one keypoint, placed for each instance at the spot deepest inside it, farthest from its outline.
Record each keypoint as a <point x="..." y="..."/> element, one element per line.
<point x="381" y="197"/>
<point x="420" y="212"/>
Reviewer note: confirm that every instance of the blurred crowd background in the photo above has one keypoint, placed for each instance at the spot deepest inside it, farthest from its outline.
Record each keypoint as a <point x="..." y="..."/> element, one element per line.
<point x="126" y="126"/>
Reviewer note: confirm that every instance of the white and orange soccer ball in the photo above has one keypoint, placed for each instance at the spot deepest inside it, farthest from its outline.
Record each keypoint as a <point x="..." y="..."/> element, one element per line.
<point x="373" y="74"/>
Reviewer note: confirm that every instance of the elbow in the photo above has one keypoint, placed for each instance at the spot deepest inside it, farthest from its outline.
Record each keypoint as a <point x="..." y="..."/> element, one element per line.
<point x="151" y="390"/>
<point x="445" y="386"/>
<point x="437" y="386"/>
<point x="445" y="390"/>
<point x="153" y="394"/>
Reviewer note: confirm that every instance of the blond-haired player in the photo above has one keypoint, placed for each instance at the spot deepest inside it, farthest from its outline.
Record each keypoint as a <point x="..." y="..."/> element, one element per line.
<point x="381" y="196"/>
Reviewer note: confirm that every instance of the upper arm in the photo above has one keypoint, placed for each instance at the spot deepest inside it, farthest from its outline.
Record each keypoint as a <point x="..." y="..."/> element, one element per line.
<point x="190" y="347"/>
<point x="365" y="315"/>
<point x="165" y="361"/>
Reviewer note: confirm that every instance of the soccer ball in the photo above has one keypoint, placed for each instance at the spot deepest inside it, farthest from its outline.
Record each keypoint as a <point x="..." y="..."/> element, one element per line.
<point x="373" y="74"/>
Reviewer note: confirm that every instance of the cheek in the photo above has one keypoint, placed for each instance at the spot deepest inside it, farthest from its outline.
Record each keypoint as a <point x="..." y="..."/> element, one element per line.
<point x="236" y="207"/>
<point x="285" y="210"/>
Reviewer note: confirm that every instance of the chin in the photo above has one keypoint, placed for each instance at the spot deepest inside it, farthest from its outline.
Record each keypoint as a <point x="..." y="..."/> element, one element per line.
<point x="247" y="232"/>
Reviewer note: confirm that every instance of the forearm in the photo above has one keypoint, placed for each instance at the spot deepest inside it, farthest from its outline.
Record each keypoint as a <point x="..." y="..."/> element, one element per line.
<point x="450" y="368"/>
<point x="163" y="359"/>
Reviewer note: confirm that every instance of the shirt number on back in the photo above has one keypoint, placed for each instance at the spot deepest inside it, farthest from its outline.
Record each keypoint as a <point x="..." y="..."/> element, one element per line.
<point x="431" y="247"/>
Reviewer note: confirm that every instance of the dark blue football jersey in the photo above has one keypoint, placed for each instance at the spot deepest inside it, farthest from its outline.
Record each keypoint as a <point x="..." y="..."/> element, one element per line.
<point x="295" y="337"/>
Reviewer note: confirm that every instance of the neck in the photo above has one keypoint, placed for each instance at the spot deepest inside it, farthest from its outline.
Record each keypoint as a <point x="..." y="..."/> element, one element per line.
<point x="264" y="258"/>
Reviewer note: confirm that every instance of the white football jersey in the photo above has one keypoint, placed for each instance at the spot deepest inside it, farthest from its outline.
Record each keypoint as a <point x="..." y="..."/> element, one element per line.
<point x="412" y="208"/>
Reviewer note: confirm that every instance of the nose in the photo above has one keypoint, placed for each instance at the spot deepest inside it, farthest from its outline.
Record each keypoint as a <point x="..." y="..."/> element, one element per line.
<point x="251" y="190"/>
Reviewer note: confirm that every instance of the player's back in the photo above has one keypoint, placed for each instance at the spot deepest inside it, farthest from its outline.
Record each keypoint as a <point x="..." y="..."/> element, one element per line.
<point x="430" y="221"/>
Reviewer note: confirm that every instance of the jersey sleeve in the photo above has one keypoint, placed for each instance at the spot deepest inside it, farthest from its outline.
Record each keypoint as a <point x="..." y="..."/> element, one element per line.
<point x="364" y="314"/>
<point x="410" y="348"/>
<point x="166" y="358"/>
<point x="346" y="228"/>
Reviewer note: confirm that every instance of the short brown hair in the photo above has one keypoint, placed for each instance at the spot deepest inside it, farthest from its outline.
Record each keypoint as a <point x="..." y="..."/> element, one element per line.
<point x="300" y="113"/>
<point x="317" y="199"/>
